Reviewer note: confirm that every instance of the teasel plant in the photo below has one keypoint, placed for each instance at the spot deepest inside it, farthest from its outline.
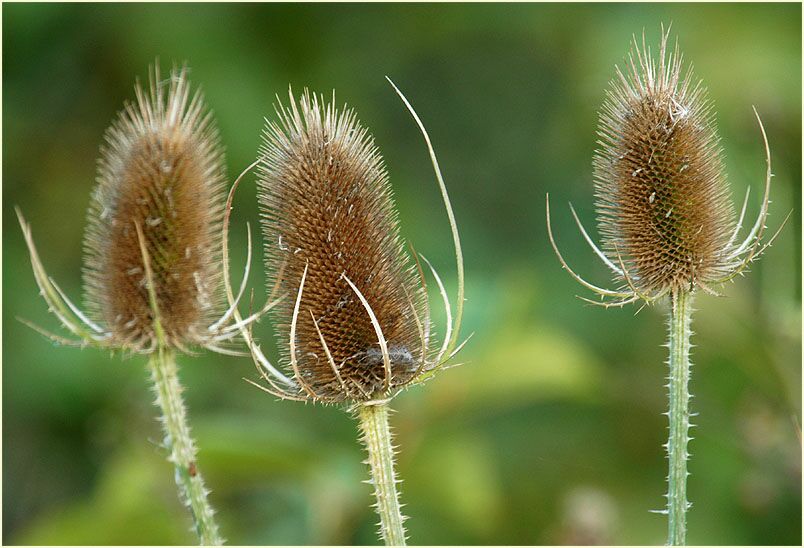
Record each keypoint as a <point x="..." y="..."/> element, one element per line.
<point x="153" y="276"/>
<point x="666" y="219"/>
<point x="355" y="329"/>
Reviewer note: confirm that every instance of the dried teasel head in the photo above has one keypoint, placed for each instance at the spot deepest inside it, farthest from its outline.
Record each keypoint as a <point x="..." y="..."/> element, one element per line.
<point x="161" y="170"/>
<point x="153" y="271"/>
<point x="662" y="199"/>
<point x="664" y="207"/>
<point x="357" y="324"/>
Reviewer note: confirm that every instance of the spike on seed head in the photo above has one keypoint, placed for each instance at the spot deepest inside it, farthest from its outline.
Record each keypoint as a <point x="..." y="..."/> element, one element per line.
<point x="329" y="217"/>
<point x="162" y="170"/>
<point x="664" y="208"/>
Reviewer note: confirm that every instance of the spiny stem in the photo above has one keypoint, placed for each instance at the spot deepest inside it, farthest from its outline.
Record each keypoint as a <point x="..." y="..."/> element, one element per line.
<point x="178" y="441"/>
<point x="679" y="416"/>
<point x="373" y="418"/>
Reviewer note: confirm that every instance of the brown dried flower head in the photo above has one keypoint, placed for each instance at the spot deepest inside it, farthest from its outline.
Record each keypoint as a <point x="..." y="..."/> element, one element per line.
<point x="662" y="199"/>
<point x="161" y="170"/>
<point x="354" y="325"/>
<point x="153" y="271"/>
<point x="664" y="207"/>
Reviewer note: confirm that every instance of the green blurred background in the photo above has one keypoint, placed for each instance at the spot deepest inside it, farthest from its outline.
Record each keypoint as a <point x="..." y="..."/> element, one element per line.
<point x="551" y="433"/>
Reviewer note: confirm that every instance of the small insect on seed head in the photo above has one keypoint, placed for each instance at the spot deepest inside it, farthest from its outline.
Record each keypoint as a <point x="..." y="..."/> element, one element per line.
<point x="329" y="219"/>
<point x="664" y="207"/>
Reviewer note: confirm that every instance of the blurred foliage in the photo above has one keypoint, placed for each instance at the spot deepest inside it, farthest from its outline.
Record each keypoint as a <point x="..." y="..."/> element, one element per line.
<point x="551" y="431"/>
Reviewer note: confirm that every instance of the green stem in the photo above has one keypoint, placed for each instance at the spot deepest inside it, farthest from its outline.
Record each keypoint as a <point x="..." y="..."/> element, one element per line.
<point x="178" y="441"/>
<point x="679" y="416"/>
<point x="377" y="437"/>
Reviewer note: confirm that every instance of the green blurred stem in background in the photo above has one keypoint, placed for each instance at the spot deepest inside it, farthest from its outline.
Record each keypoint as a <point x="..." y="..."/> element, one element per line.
<point x="679" y="416"/>
<point x="178" y="441"/>
<point x="373" y="417"/>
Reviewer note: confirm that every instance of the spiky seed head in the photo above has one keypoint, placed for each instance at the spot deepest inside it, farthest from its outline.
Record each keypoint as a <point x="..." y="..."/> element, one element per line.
<point x="327" y="205"/>
<point x="661" y="196"/>
<point x="162" y="170"/>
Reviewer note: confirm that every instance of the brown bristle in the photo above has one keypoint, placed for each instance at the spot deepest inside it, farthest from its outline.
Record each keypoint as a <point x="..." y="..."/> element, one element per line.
<point x="664" y="209"/>
<point x="327" y="205"/>
<point x="161" y="169"/>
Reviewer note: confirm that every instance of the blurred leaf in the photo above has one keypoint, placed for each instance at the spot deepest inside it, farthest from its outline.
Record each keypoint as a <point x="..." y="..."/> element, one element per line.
<point x="132" y="492"/>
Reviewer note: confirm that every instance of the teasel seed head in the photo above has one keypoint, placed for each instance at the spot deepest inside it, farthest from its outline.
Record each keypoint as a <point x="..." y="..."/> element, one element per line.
<point x="162" y="170"/>
<point x="327" y="209"/>
<point x="662" y="199"/>
<point x="664" y="207"/>
<point x="354" y="322"/>
<point x="153" y="268"/>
